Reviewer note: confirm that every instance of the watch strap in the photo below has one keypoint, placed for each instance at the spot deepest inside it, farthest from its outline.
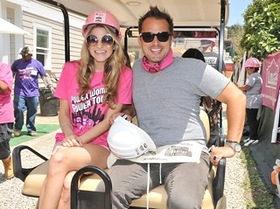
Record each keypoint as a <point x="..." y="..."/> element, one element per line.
<point x="229" y="141"/>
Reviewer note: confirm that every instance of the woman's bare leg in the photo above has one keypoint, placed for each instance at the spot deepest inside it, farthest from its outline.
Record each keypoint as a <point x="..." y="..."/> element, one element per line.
<point x="64" y="202"/>
<point x="63" y="161"/>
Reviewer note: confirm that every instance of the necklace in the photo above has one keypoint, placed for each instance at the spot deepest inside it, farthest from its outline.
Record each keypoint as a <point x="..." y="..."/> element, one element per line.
<point x="150" y="82"/>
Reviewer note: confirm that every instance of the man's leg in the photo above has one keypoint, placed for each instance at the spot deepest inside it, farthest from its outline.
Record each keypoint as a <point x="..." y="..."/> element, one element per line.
<point x="19" y="108"/>
<point x="186" y="183"/>
<point x="129" y="181"/>
<point x="32" y="106"/>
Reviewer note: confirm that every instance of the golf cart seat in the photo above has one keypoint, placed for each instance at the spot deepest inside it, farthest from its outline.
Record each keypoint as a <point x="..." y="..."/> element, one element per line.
<point x="33" y="179"/>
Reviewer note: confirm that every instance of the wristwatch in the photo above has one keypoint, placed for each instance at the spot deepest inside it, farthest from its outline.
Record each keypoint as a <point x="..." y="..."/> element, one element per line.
<point x="234" y="145"/>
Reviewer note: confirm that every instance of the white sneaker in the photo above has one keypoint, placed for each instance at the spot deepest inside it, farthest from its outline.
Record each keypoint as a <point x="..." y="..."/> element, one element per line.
<point x="251" y="142"/>
<point x="246" y="140"/>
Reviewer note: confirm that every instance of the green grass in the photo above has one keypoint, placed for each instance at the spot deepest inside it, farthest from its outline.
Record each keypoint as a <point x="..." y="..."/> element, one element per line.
<point x="256" y="193"/>
<point x="42" y="129"/>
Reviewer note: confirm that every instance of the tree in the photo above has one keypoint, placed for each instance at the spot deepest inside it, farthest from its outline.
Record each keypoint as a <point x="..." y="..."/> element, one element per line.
<point x="235" y="33"/>
<point x="262" y="28"/>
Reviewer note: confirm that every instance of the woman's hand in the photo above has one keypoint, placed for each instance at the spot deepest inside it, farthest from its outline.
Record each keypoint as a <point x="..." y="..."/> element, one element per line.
<point x="71" y="141"/>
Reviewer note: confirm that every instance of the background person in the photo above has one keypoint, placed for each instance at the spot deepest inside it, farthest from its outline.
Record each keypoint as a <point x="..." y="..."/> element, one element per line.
<point x="252" y="90"/>
<point x="90" y="91"/>
<point x="194" y="53"/>
<point x="6" y="118"/>
<point x="166" y="96"/>
<point x="26" y="90"/>
<point x="211" y="57"/>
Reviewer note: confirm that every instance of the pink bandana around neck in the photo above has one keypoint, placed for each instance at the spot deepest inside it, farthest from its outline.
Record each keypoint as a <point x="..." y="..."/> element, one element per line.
<point x="156" y="67"/>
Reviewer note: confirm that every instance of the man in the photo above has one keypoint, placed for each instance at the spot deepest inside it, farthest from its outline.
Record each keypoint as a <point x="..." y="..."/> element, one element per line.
<point x="166" y="95"/>
<point x="26" y="91"/>
<point x="6" y="118"/>
<point x="211" y="57"/>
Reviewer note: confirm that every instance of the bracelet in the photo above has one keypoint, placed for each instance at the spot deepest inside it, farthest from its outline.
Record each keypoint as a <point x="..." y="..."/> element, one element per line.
<point x="65" y="124"/>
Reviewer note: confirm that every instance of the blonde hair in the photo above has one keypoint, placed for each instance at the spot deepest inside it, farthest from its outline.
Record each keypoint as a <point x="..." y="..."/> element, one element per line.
<point x="112" y="69"/>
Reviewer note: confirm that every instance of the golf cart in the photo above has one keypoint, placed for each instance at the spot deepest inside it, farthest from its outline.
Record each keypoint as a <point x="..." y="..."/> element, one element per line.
<point x="189" y="17"/>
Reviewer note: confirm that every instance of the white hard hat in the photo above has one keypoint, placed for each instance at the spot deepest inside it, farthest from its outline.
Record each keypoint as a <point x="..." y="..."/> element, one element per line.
<point x="126" y="140"/>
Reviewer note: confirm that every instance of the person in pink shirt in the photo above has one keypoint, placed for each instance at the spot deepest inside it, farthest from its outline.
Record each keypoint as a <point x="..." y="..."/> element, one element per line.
<point x="6" y="118"/>
<point x="90" y="91"/>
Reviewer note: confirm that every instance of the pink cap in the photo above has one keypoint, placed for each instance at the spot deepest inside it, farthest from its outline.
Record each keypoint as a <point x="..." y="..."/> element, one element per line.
<point x="102" y="17"/>
<point x="252" y="62"/>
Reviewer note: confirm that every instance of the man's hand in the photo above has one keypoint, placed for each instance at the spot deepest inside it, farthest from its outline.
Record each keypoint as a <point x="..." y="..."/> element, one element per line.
<point x="125" y="116"/>
<point x="52" y="89"/>
<point x="216" y="153"/>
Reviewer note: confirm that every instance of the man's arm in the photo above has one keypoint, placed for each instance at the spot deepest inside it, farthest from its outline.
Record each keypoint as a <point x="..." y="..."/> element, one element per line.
<point x="48" y="83"/>
<point x="236" y="106"/>
<point x="235" y="101"/>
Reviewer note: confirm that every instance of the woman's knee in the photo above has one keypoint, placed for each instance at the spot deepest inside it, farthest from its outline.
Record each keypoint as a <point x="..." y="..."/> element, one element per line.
<point x="57" y="162"/>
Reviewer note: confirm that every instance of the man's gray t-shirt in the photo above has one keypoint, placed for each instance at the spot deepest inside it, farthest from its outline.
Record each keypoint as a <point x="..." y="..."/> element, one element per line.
<point x="167" y="103"/>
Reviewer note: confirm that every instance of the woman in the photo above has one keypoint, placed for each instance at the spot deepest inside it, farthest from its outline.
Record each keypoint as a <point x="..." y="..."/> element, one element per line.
<point x="90" y="91"/>
<point x="252" y="89"/>
<point x="6" y="118"/>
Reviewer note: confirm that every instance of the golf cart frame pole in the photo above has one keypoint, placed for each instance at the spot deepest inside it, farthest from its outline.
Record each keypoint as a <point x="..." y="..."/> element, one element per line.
<point x="66" y="26"/>
<point x="221" y="51"/>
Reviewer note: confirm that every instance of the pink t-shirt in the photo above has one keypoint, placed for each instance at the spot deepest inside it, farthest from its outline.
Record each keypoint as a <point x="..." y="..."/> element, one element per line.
<point x="88" y="111"/>
<point x="6" y="101"/>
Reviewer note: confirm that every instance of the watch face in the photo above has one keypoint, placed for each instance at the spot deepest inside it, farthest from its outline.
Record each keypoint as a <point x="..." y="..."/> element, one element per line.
<point x="234" y="145"/>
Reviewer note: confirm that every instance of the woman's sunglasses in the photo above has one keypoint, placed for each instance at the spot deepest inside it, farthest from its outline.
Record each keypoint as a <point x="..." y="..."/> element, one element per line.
<point x="149" y="37"/>
<point x="106" y="39"/>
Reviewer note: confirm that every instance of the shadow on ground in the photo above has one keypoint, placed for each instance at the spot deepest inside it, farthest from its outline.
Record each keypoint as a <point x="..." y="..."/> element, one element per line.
<point x="265" y="154"/>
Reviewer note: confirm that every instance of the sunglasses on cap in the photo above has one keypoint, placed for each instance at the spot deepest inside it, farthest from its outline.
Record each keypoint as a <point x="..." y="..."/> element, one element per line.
<point x="106" y="39"/>
<point x="149" y="37"/>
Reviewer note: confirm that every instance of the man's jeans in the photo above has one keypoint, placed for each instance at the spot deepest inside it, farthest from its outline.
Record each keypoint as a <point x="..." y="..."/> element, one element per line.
<point x="20" y="105"/>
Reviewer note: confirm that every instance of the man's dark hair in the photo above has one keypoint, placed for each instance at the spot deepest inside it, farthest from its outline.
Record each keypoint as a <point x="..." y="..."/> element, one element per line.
<point x="194" y="53"/>
<point x="157" y="14"/>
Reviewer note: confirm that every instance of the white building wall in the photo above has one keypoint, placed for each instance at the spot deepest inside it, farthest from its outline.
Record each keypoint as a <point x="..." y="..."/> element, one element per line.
<point x="30" y="14"/>
<point x="45" y="16"/>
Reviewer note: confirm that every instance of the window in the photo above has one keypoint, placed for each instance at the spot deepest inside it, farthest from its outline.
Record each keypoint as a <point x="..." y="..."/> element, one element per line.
<point x="42" y="45"/>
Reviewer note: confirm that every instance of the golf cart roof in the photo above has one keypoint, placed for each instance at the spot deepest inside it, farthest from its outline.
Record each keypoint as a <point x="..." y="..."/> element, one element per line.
<point x="184" y="12"/>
